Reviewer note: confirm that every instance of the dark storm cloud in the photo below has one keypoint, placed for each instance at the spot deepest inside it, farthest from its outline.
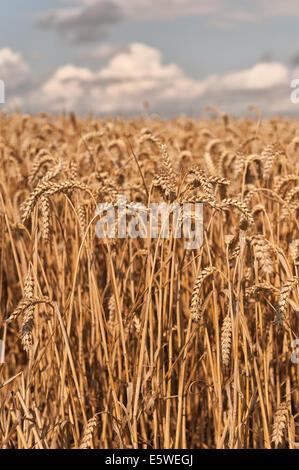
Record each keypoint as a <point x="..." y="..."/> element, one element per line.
<point x="83" y="26"/>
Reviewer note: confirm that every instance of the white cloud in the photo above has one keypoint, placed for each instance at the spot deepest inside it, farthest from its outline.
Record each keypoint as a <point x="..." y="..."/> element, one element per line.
<point x="138" y="74"/>
<point x="65" y="88"/>
<point x="260" y="76"/>
<point x="123" y="85"/>
<point x="13" y="69"/>
<point x="139" y="63"/>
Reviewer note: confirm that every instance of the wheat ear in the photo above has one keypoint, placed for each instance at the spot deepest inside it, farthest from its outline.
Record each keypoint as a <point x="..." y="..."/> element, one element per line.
<point x="196" y="312"/>
<point x="86" y="441"/>
<point x="226" y="335"/>
<point x="283" y="297"/>
<point x="281" y="419"/>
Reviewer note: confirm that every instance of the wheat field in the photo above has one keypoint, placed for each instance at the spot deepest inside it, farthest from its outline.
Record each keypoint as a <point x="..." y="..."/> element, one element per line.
<point x="124" y="343"/>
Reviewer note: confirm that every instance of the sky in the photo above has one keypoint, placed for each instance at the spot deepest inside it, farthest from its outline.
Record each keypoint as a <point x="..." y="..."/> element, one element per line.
<point x="165" y="57"/>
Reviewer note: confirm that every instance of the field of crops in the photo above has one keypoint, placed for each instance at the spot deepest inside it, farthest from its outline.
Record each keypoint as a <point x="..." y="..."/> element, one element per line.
<point x="140" y="342"/>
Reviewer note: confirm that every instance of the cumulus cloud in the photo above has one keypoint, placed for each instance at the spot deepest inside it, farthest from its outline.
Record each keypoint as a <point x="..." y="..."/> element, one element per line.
<point x="82" y="24"/>
<point x="138" y="74"/>
<point x="259" y="77"/>
<point x="139" y="63"/>
<point x="128" y="80"/>
<point x="13" y="69"/>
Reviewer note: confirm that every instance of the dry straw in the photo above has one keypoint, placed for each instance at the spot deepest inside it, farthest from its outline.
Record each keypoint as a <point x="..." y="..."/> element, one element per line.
<point x="141" y="330"/>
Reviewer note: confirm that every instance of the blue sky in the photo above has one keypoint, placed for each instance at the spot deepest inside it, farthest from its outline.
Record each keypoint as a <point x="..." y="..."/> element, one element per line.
<point x="78" y="42"/>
